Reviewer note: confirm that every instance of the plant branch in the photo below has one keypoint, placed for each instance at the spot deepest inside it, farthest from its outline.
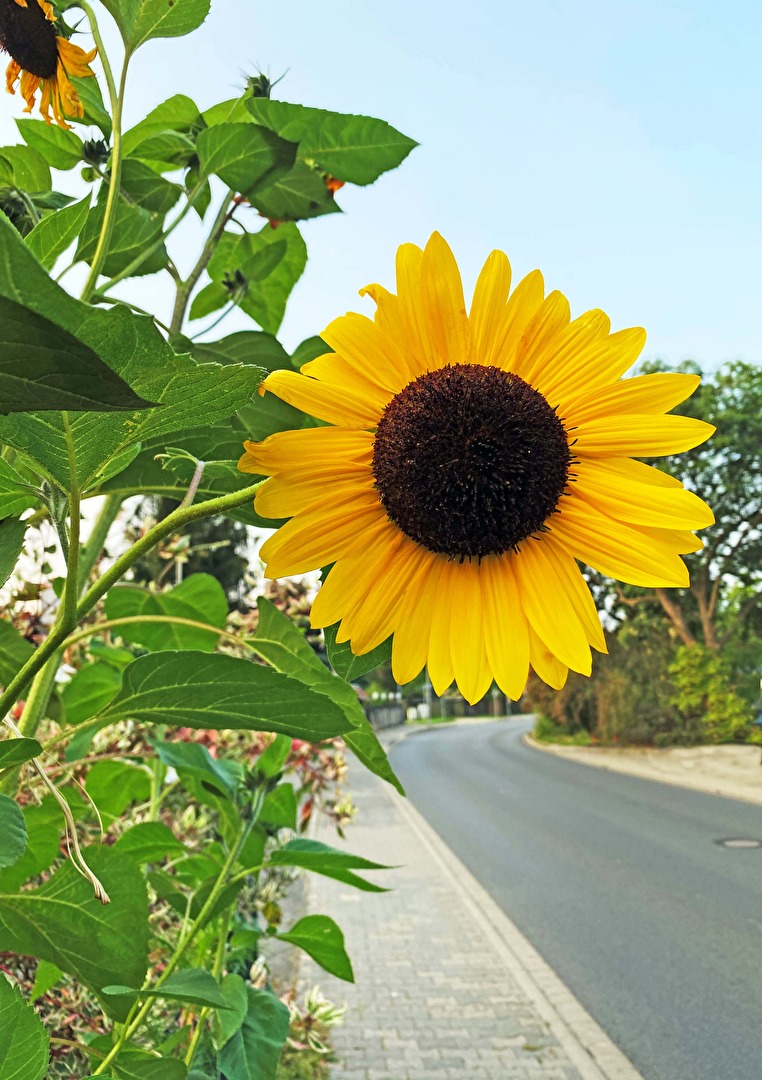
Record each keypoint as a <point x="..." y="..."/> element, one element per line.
<point x="185" y="288"/>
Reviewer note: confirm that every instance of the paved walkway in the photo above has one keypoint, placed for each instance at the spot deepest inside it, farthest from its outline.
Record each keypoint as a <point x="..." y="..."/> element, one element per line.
<point x="446" y="987"/>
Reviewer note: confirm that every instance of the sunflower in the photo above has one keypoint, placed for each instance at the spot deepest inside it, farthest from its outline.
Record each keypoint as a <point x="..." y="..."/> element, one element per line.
<point x="40" y="58"/>
<point x="467" y="462"/>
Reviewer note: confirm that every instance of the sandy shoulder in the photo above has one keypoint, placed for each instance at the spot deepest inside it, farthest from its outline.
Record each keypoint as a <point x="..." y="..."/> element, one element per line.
<point x="734" y="771"/>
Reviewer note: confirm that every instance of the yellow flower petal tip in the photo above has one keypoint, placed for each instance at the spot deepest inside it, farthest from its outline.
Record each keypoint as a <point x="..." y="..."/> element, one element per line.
<point x="466" y="463"/>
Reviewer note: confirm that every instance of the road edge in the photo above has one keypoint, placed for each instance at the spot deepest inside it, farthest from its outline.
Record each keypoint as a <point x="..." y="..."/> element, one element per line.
<point x="582" y="759"/>
<point x="588" y="1046"/>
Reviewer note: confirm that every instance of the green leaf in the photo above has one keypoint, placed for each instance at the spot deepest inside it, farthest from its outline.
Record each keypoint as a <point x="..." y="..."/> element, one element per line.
<point x="153" y="193"/>
<point x="268" y="414"/>
<point x="232" y="111"/>
<point x="141" y="20"/>
<point x="12" y="832"/>
<point x="346" y="664"/>
<point x="356" y="149"/>
<point x="229" y="1022"/>
<point x="61" y="922"/>
<point x="43" y="833"/>
<point x="245" y="347"/>
<point x="23" y="168"/>
<point x="323" y="940"/>
<point x="253" y="1051"/>
<point x="14" y="652"/>
<point x="42" y="366"/>
<point x="23" y="1039"/>
<point x="194" y="689"/>
<point x="115" y="785"/>
<point x="265" y="301"/>
<point x="153" y="139"/>
<point x="193" y="761"/>
<point x="279" y="642"/>
<point x="243" y="156"/>
<point x="199" y="597"/>
<point x="133" y="1064"/>
<point x="279" y="808"/>
<point x="192" y="986"/>
<point x="148" y="842"/>
<point x="61" y="149"/>
<point x="300" y="194"/>
<point x="56" y="232"/>
<point x="134" y="230"/>
<point x="309" y="349"/>
<point x="271" y="761"/>
<point x="46" y="976"/>
<point x="11" y="543"/>
<point x="91" y="688"/>
<point x="89" y="93"/>
<point x="258" y="267"/>
<point x="326" y="860"/>
<point x="17" y="751"/>
<point x="16" y="495"/>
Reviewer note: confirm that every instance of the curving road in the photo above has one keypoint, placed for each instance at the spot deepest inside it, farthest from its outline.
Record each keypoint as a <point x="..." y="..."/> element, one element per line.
<point x="619" y="883"/>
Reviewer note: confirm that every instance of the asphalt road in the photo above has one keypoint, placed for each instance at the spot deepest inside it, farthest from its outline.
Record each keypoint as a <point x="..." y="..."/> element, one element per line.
<point x="619" y="883"/>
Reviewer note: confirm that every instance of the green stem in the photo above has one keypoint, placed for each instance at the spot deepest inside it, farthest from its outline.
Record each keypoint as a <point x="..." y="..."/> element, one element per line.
<point x="185" y="288"/>
<point x="114" y="187"/>
<point x="171" y="523"/>
<point x="71" y="589"/>
<point x="146" y="253"/>
<point x="127" y="620"/>
<point x="186" y="939"/>
<point x="37" y="700"/>
<point x="219" y="963"/>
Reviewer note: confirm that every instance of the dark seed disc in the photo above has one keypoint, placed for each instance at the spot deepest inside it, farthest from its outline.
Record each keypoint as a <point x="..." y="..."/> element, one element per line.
<point x="470" y="460"/>
<point x="29" y="38"/>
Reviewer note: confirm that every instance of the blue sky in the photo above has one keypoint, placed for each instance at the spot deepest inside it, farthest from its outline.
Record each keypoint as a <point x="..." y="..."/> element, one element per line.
<point x="615" y="145"/>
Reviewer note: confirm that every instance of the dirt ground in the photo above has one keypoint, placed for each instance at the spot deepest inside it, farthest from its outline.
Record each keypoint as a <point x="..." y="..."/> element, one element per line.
<point x="734" y="771"/>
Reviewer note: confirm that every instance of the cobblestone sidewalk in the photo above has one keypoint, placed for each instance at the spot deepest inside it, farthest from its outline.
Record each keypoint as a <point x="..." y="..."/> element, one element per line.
<point x="446" y="986"/>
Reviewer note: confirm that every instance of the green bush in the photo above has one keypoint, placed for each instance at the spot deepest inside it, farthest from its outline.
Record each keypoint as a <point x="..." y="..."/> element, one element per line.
<point x="704" y="696"/>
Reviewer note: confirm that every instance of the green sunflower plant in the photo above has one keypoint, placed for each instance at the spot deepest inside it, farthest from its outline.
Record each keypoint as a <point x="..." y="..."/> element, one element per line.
<point x="449" y="466"/>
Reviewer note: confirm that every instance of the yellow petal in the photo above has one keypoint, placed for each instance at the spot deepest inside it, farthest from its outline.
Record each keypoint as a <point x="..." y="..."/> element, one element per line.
<point x="440" y="657"/>
<point x="598" y="363"/>
<point x="642" y="504"/>
<point x="444" y="304"/>
<point x="358" y="341"/>
<point x="411" y="312"/>
<point x="656" y="393"/>
<point x="374" y="616"/>
<point x="522" y="304"/>
<point x="617" y="550"/>
<point x="351" y="576"/>
<point x="335" y="404"/>
<point x="467" y="633"/>
<point x="505" y="626"/>
<point x="638" y="436"/>
<point x="575" y="587"/>
<point x="284" y="497"/>
<point x="541" y="369"/>
<point x="490" y="296"/>
<point x="629" y="469"/>
<point x="546" y="665"/>
<point x="395" y="338"/>
<point x="333" y="370"/>
<point x="320" y="536"/>
<point x="547" y="324"/>
<point x="548" y="607"/>
<point x="410" y="646"/>
<point x="307" y="449"/>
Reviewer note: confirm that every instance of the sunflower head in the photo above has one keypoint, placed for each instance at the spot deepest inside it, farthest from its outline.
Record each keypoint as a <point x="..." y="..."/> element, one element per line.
<point x="470" y="461"/>
<point x="41" y="59"/>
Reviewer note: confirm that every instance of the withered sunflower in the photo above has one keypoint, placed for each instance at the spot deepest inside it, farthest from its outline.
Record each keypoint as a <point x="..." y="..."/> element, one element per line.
<point x="470" y="461"/>
<point x="41" y="59"/>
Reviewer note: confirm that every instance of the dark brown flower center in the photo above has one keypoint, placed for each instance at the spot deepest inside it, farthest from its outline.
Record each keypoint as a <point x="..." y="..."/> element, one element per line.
<point x="470" y="460"/>
<point x="29" y="37"/>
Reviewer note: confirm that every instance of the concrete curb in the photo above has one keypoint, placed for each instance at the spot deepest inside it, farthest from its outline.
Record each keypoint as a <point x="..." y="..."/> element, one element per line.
<point x="589" y="1048"/>
<point x="704" y="785"/>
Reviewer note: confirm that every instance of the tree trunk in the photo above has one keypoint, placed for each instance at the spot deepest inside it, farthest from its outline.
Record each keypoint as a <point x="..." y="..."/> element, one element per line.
<point x="676" y="617"/>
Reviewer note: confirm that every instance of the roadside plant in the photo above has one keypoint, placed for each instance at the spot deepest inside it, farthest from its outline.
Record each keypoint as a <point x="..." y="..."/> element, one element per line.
<point x="142" y="864"/>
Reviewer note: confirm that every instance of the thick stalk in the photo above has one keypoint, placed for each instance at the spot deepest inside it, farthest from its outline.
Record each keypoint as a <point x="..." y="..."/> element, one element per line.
<point x="185" y="288"/>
